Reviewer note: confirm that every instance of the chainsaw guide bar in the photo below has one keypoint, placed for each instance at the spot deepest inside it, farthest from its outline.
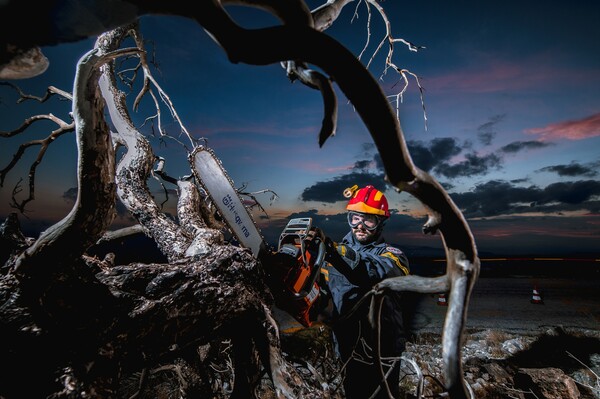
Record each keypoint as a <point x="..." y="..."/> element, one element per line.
<point x="211" y="175"/>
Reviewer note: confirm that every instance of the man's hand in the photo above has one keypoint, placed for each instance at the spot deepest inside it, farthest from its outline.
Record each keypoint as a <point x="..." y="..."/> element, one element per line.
<point x="346" y="261"/>
<point x="314" y="237"/>
<point x="315" y="232"/>
<point x="335" y="251"/>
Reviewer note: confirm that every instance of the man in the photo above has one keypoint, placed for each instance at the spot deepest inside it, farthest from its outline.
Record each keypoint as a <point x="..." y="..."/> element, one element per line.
<point x="356" y="264"/>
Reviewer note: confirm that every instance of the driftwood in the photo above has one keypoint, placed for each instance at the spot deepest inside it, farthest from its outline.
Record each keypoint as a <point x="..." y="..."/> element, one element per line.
<point x="90" y="321"/>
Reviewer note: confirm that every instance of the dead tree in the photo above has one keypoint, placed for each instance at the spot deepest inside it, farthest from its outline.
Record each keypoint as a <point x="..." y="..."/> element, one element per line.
<point x="94" y="321"/>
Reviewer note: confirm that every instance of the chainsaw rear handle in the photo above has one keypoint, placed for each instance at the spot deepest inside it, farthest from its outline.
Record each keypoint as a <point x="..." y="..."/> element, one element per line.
<point x="316" y="270"/>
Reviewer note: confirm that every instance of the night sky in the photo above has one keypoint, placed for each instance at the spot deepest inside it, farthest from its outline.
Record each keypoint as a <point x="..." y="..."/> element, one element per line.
<point x="511" y="126"/>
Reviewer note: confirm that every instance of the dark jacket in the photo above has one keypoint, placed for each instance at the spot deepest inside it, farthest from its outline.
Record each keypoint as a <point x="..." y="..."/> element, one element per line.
<point x="375" y="262"/>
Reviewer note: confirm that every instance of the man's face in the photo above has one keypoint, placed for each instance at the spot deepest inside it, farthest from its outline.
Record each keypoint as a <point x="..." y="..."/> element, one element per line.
<point x="363" y="235"/>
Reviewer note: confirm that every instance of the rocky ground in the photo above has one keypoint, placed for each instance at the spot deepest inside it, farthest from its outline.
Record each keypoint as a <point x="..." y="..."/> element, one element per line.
<point x="555" y="363"/>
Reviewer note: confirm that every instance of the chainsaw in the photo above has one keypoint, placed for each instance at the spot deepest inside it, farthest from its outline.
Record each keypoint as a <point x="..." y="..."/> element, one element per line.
<point x="294" y="268"/>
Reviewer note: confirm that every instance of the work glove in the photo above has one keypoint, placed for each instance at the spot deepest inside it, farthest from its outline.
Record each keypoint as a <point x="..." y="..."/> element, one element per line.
<point x="314" y="237"/>
<point x="337" y="252"/>
<point x="346" y="261"/>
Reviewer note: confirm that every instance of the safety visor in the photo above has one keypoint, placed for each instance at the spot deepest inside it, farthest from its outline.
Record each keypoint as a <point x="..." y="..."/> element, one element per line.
<point x="369" y="222"/>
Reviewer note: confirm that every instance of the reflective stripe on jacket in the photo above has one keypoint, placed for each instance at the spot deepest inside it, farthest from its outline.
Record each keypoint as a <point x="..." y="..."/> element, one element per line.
<point x="380" y="261"/>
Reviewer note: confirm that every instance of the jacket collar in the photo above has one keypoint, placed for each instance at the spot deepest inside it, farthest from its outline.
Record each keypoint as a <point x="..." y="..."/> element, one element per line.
<point x="349" y="238"/>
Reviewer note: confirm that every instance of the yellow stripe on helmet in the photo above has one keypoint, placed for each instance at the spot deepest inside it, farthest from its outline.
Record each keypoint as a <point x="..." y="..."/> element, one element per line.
<point x="364" y="208"/>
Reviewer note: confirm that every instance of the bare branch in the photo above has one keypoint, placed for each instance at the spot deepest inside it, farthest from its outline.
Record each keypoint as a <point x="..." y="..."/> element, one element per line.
<point x="50" y="91"/>
<point x="388" y="60"/>
<point x="253" y="200"/>
<point x="318" y="81"/>
<point x="121" y="233"/>
<point x="43" y="143"/>
<point x="149" y="81"/>
<point x="33" y="119"/>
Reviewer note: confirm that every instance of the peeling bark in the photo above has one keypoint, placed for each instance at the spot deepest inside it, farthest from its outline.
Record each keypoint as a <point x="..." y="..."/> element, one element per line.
<point x="191" y="219"/>
<point x="136" y="165"/>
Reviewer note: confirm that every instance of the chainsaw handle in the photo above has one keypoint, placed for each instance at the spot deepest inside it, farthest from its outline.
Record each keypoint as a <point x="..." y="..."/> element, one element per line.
<point x="310" y="282"/>
<point x="321" y="255"/>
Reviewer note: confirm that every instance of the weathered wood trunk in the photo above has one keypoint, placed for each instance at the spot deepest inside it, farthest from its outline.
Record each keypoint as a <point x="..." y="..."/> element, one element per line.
<point x="96" y="324"/>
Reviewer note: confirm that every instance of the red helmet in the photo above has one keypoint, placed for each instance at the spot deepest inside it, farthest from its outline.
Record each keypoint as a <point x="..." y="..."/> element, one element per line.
<point x="367" y="200"/>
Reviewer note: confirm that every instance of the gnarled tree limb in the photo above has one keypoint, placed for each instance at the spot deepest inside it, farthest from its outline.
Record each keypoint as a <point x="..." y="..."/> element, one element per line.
<point x="93" y="210"/>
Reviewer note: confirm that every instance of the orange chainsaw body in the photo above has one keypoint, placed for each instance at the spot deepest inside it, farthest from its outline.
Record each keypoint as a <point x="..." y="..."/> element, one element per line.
<point x="298" y="268"/>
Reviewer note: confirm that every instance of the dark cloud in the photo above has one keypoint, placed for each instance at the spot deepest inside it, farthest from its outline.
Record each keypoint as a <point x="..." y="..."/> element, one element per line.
<point x="432" y="156"/>
<point x="521" y="180"/>
<point x="428" y="156"/>
<point x="517" y="146"/>
<point x="500" y="198"/>
<point x="362" y="165"/>
<point x="571" y="192"/>
<point x="472" y="165"/>
<point x="572" y="170"/>
<point x="487" y="131"/>
<point x="493" y="198"/>
<point x="331" y="191"/>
